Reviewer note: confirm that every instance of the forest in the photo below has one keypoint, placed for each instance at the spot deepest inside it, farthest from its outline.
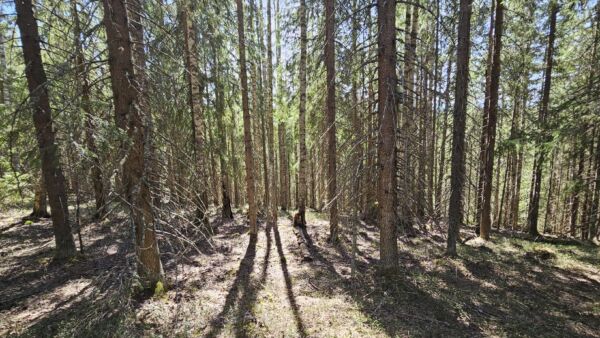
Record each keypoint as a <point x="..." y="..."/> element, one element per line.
<point x="310" y="168"/>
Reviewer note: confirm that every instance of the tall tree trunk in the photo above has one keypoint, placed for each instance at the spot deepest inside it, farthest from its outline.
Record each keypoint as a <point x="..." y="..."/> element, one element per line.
<point x="272" y="214"/>
<point x="302" y="114"/>
<point x="195" y="89"/>
<point x="386" y="149"/>
<point x="226" y="212"/>
<point x="331" y="130"/>
<point x="442" y="167"/>
<point x="90" y="128"/>
<point x="457" y="176"/>
<point x="408" y="117"/>
<point x="490" y="128"/>
<point x="42" y="119"/>
<point x="534" y="202"/>
<point x="124" y="33"/>
<point x="485" y="122"/>
<point x="249" y="161"/>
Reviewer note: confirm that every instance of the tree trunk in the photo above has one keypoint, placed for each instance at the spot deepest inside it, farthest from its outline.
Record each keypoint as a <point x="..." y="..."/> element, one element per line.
<point x="386" y="149"/>
<point x="90" y="128"/>
<point x="534" y="202"/>
<point x="575" y="197"/>
<point x="272" y="214"/>
<point x="331" y="130"/>
<point x="457" y="176"/>
<point x="42" y="119"/>
<point x="248" y="158"/>
<point x="302" y="191"/>
<point x="485" y="123"/>
<point x="490" y="128"/>
<point x="40" y="205"/>
<point x="195" y="89"/>
<point x="124" y="34"/>
<point x="226" y="212"/>
<point x="442" y="171"/>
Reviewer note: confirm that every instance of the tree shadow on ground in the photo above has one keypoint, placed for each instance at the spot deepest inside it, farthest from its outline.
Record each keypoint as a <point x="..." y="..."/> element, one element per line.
<point x="300" y="327"/>
<point x="395" y="302"/>
<point x="241" y="288"/>
<point x="529" y="296"/>
<point x="482" y="292"/>
<point x="51" y="295"/>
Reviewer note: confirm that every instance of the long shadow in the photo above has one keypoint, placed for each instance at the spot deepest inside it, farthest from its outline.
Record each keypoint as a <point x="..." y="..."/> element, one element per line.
<point x="289" y="287"/>
<point x="558" y="295"/>
<point x="28" y="278"/>
<point x="241" y="284"/>
<point x="397" y="303"/>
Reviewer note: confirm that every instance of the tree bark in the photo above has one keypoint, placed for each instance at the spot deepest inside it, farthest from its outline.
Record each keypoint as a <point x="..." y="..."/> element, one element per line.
<point x="457" y="176"/>
<point x="40" y="203"/>
<point x="90" y="128"/>
<point x="42" y="119"/>
<point x="490" y="128"/>
<point x="124" y="33"/>
<point x="302" y="191"/>
<point x="386" y="150"/>
<point x="272" y="214"/>
<point x="248" y="158"/>
<point x="534" y="202"/>
<point x="195" y="89"/>
<point x="331" y="130"/>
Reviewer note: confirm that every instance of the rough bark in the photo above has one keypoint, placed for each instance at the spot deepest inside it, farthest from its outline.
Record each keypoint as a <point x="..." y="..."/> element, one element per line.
<point x="127" y="61"/>
<point x="40" y="202"/>
<point x="386" y="59"/>
<point x="302" y="191"/>
<point x="457" y="176"/>
<point x="248" y="158"/>
<point x="272" y="214"/>
<point x="490" y="129"/>
<point x="195" y="89"/>
<point x="42" y="119"/>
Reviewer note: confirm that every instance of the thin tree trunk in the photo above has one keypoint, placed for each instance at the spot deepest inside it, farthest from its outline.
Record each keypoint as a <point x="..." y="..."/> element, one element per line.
<point x="247" y="121"/>
<point x="534" y="203"/>
<point x="575" y="197"/>
<point x="272" y="219"/>
<point x="226" y="212"/>
<point x="330" y="117"/>
<point x="90" y="128"/>
<point x="195" y="89"/>
<point x="301" y="114"/>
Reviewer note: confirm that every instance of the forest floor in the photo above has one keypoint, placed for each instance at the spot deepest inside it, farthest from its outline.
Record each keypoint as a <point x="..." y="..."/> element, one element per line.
<point x="272" y="285"/>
